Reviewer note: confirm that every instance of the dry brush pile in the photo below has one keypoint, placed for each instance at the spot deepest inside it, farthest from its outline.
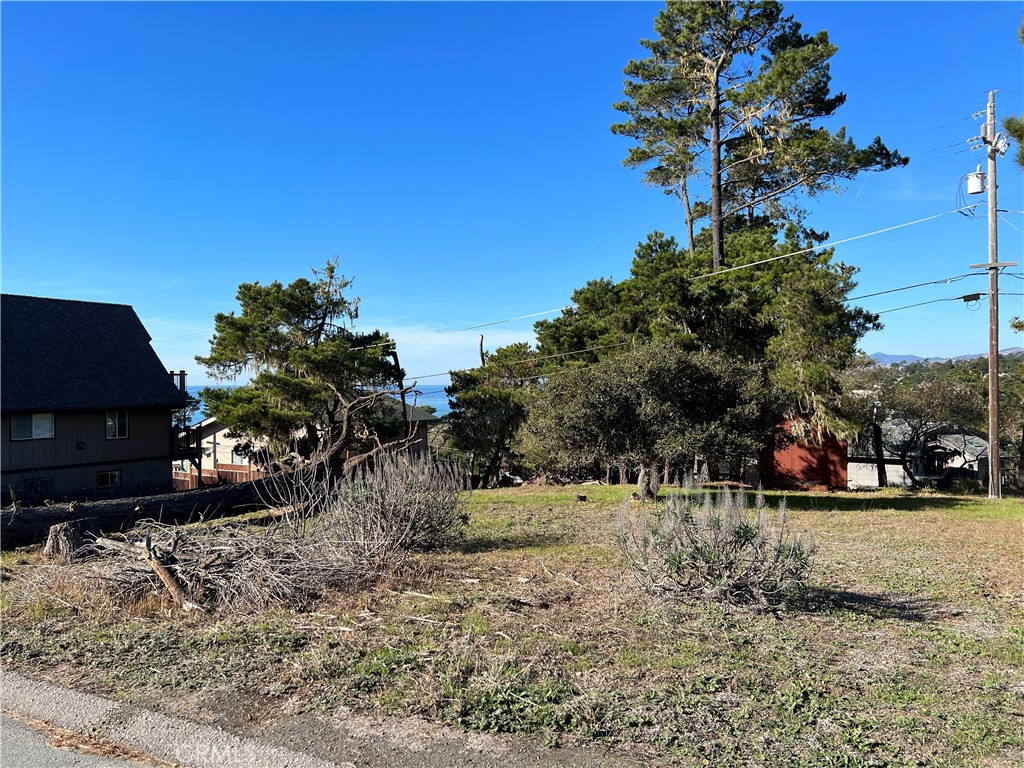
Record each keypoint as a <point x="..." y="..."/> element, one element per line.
<point x="331" y="533"/>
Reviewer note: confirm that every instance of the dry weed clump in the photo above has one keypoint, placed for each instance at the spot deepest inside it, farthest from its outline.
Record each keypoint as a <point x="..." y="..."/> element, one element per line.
<point x="381" y="510"/>
<point x="712" y="546"/>
<point x="232" y="568"/>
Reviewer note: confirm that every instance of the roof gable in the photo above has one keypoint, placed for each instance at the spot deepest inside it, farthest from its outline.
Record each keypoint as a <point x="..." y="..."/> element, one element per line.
<point x="59" y="354"/>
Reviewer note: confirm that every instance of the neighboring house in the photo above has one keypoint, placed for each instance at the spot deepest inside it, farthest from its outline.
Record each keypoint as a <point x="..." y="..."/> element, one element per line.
<point x="220" y="460"/>
<point x="939" y="450"/>
<point x="223" y="463"/>
<point x="798" y="463"/>
<point x="419" y="421"/>
<point x="86" y="406"/>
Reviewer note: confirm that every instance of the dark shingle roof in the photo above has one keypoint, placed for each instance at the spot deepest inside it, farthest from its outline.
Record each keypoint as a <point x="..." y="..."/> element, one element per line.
<point x="413" y="413"/>
<point x="57" y="354"/>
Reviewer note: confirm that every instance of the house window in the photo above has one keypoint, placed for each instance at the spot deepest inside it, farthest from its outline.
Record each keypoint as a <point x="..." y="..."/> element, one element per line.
<point x="31" y="426"/>
<point x="109" y="479"/>
<point x="117" y="425"/>
<point x="39" y="487"/>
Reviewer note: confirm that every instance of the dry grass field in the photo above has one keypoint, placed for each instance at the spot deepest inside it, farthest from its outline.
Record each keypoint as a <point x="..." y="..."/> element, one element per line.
<point x="907" y="651"/>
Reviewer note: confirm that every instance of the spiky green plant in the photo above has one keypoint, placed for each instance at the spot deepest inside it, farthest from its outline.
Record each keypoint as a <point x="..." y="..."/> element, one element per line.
<point x="701" y="545"/>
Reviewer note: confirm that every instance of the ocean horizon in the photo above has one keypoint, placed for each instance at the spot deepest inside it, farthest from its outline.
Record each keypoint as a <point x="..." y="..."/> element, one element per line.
<point x="429" y="394"/>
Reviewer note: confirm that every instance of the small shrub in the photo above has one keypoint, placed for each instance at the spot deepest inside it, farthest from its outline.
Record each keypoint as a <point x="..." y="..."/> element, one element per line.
<point x="381" y="510"/>
<point x="712" y="546"/>
<point x="417" y="502"/>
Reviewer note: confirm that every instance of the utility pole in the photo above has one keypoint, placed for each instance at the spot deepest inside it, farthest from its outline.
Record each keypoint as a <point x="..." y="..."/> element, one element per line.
<point x="876" y="445"/>
<point x="995" y="145"/>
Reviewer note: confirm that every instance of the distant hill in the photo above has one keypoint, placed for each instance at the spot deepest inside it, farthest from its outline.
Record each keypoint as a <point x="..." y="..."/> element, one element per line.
<point x="884" y="359"/>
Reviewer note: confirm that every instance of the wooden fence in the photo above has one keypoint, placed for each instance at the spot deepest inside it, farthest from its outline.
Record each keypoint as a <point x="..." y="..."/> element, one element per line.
<point x="222" y="474"/>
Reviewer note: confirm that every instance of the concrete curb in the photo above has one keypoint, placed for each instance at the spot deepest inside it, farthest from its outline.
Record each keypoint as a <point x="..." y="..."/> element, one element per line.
<point x="174" y="739"/>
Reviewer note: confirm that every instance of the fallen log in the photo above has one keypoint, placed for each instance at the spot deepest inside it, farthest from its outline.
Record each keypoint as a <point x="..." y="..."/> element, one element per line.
<point x="30" y="525"/>
<point x="21" y="526"/>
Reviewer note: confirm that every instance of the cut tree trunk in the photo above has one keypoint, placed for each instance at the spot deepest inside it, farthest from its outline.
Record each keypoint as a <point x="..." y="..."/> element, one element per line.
<point x="23" y="526"/>
<point x="64" y="541"/>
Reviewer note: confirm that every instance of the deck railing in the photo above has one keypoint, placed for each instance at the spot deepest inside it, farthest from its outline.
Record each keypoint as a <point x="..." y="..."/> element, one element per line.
<point x="187" y="442"/>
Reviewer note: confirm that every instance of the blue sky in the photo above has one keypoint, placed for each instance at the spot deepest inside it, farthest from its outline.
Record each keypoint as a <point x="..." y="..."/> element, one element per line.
<point x="456" y="156"/>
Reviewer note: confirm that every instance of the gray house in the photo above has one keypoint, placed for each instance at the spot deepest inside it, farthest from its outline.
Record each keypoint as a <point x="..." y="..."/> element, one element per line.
<point x="86" y="406"/>
<point x="938" y="451"/>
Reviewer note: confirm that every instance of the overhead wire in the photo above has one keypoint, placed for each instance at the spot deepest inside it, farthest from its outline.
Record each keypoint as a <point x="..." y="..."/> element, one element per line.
<point x="526" y="360"/>
<point x="945" y="280"/>
<point x="470" y="327"/>
<point x="570" y="244"/>
<point x="509" y="262"/>
<point x="936" y="128"/>
<point x="939" y="149"/>
<point x="943" y="157"/>
<point x="965" y="298"/>
<point x="1010" y="224"/>
<point x="811" y="249"/>
<point x="933" y="301"/>
<point x="697" y="277"/>
<point x="830" y="244"/>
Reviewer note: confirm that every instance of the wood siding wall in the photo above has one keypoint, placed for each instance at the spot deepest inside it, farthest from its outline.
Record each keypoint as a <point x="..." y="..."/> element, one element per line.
<point x="804" y="464"/>
<point x="68" y="463"/>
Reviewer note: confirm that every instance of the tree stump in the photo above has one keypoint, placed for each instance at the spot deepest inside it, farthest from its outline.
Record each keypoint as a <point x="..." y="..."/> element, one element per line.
<point x="64" y="541"/>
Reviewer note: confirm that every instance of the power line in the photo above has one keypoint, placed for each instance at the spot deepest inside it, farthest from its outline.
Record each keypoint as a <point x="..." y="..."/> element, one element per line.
<point x="508" y="262"/>
<point x="946" y="280"/>
<point x="936" y="128"/>
<point x="833" y="243"/>
<point x="470" y="327"/>
<point x="933" y="301"/>
<point x="1009" y="223"/>
<point x="943" y="157"/>
<point x="698" y="277"/>
<point x="965" y="298"/>
<point x="708" y="274"/>
<point x="526" y="360"/>
<point x="939" y="149"/>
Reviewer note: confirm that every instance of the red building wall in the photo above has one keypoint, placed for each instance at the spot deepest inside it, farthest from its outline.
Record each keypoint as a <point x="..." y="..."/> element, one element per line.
<point x="804" y="463"/>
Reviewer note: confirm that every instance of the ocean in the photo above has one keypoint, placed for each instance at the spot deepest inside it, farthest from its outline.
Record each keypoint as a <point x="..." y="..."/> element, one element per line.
<point x="429" y="394"/>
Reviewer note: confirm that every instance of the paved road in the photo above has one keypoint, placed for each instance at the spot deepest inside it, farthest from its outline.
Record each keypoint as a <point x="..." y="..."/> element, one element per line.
<point x="343" y="740"/>
<point x="22" y="746"/>
<point x="173" y="739"/>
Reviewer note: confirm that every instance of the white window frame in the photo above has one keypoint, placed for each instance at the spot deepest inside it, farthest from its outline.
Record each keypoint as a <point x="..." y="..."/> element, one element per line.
<point x="117" y="424"/>
<point x="112" y="477"/>
<point x="40" y="426"/>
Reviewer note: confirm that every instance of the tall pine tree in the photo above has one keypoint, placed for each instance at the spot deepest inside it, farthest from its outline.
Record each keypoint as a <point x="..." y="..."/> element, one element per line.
<point x="728" y="100"/>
